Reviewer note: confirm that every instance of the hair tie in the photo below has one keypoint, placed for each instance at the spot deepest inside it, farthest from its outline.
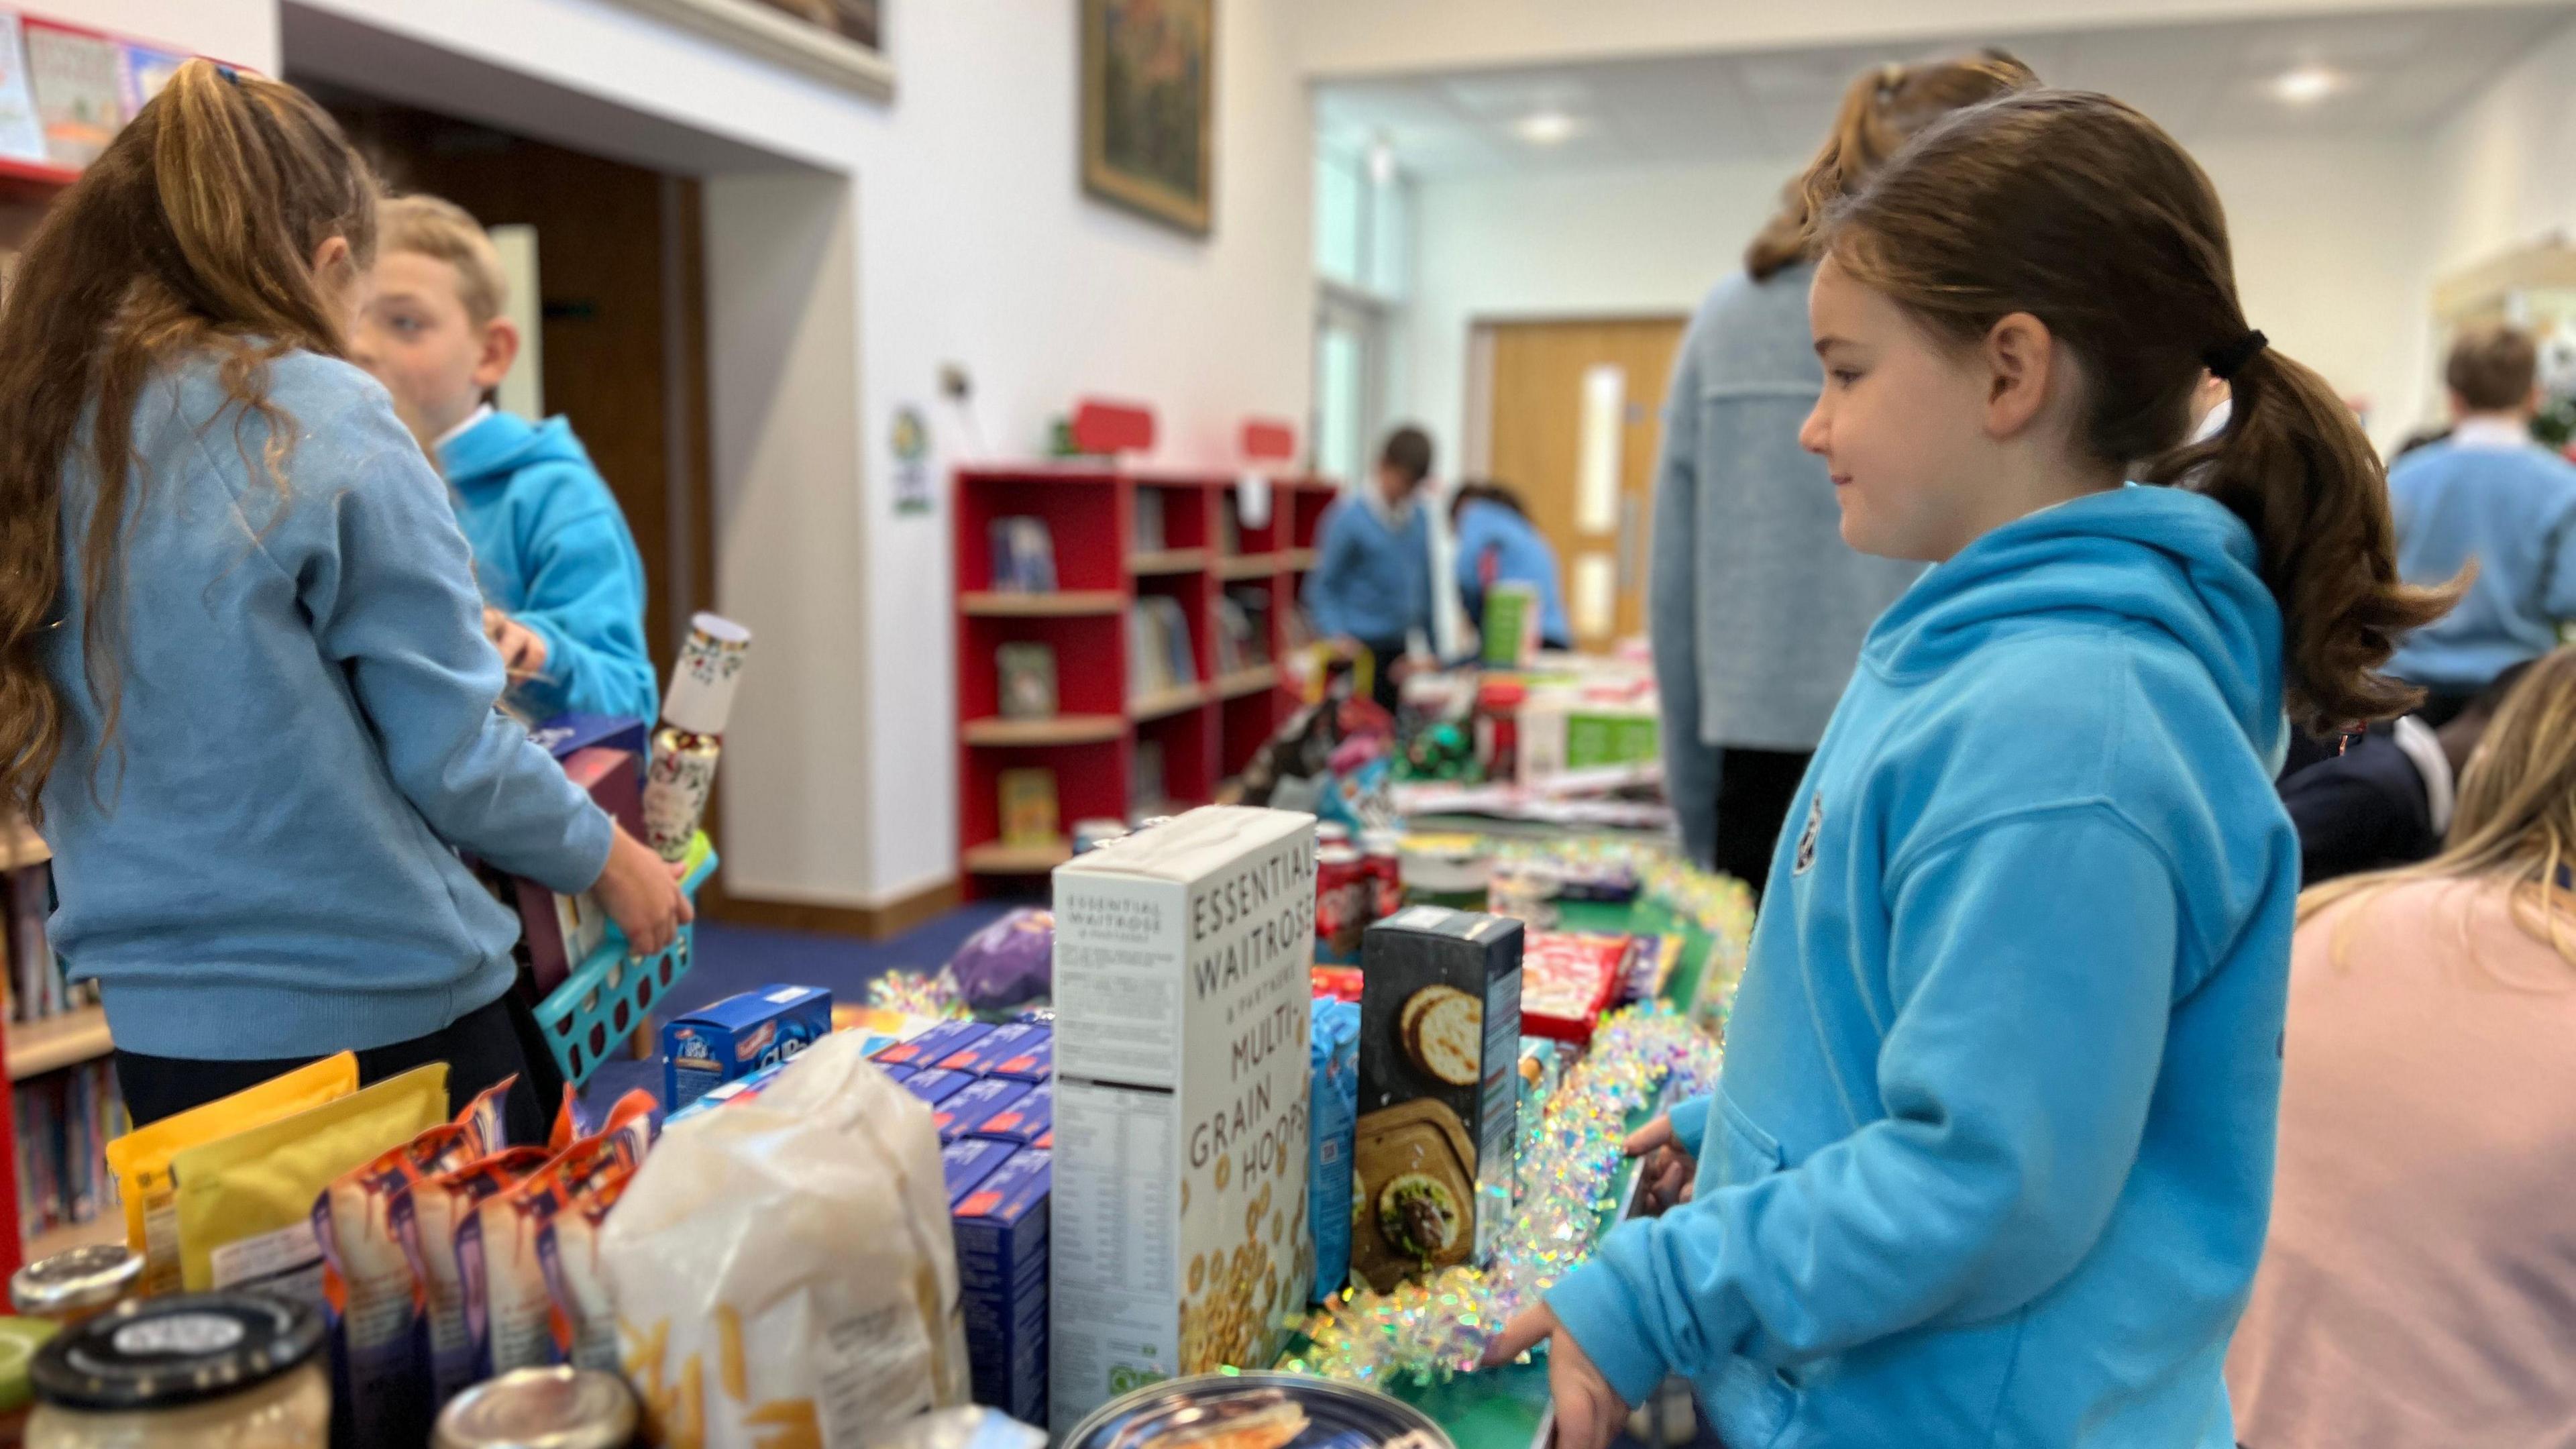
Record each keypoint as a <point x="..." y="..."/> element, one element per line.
<point x="2225" y="362"/>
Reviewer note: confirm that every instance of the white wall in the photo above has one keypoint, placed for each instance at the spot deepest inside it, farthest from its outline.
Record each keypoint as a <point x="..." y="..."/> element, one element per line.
<point x="954" y="232"/>
<point x="2331" y="244"/>
<point x="2502" y="176"/>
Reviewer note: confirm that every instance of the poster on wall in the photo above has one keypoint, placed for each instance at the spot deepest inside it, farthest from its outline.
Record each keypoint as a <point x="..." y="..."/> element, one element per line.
<point x="1148" y="107"/>
<point x="852" y="20"/>
<point x="842" y="41"/>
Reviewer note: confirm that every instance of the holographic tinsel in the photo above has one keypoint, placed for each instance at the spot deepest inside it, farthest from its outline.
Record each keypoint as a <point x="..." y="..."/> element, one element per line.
<point x="916" y="994"/>
<point x="1569" y="1164"/>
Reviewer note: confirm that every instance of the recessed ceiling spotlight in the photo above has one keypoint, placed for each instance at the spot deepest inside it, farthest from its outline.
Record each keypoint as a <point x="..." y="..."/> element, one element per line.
<point x="1544" y="128"/>
<point x="2305" y="85"/>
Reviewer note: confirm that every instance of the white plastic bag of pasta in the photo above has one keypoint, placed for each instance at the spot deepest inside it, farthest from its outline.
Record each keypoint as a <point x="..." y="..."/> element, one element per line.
<point x="784" y="1271"/>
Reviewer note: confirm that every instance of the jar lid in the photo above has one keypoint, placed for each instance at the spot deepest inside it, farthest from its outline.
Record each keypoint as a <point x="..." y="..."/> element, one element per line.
<point x="82" y="1278"/>
<point x="19" y="1340"/>
<point x="540" y="1408"/>
<point x="153" y="1353"/>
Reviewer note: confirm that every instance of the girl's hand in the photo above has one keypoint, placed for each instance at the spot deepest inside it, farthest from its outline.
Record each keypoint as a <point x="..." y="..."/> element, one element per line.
<point x="1667" y="1171"/>
<point x="1589" y="1413"/>
<point x="523" y="650"/>
<point x="640" y="895"/>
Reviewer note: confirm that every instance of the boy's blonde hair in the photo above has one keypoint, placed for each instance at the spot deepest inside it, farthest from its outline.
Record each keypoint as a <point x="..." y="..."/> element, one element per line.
<point x="441" y="230"/>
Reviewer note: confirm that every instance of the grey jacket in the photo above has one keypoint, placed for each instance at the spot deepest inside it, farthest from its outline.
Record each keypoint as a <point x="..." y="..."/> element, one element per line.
<point x="1756" y="604"/>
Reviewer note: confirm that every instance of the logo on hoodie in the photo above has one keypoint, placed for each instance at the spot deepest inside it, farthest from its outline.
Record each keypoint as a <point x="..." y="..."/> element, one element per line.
<point x="1807" y="837"/>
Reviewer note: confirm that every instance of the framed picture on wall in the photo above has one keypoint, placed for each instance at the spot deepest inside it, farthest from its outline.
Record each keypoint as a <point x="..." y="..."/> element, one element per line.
<point x="1148" y="107"/>
<point x="835" y="40"/>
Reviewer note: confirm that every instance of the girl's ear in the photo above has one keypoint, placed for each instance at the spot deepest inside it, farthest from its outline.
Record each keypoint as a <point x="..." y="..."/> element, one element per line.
<point x="331" y="257"/>
<point x="2018" y="354"/>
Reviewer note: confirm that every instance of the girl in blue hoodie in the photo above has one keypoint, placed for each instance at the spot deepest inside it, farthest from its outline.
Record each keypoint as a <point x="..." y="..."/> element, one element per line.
<point x="1992" y="1153"/>
<point x="244" y="687"/>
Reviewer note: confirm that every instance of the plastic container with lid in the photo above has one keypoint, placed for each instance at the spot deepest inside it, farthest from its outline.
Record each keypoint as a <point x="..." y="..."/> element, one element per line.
<point x="19" y="1340"/>
<point x="81" y="1283"/>
<point x="540" y="1408"/>
<point x="203" y="1370"/>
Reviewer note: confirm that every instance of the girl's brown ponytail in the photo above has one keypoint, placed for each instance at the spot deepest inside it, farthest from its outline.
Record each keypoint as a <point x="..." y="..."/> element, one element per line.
<point x="1880" y="109"/>
<point x="192" y="235"/>
<point x="2080" y="211"/>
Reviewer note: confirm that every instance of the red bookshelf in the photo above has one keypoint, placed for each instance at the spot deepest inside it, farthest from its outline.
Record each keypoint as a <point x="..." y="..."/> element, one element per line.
<point x="1204" y="729"/>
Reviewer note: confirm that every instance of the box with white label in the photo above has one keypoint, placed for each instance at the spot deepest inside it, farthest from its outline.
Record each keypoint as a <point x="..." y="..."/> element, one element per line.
<point x="1179" y="1213"/>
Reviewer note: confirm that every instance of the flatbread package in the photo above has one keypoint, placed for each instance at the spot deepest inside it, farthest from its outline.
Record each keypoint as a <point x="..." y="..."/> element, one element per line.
<point x="427" y="1219"/>
<point x="509" y="1312"/>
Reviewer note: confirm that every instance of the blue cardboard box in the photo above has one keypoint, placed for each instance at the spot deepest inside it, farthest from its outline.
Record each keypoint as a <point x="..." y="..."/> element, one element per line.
<point x="967" y="1163"/>
<point x="1034" y="1062"/>
<point x="898" y="1074"/>
<point x="931" y="1045"/>
<point x="1024" y="1121"/>
<point x="567" y="733"/>
<point x="986" y="1054"/>
<point x="936" y="1087"/>
<point x="1001" y="1230"/>
<point x="960" y="1115"/>
<point x="738" y="1036"/>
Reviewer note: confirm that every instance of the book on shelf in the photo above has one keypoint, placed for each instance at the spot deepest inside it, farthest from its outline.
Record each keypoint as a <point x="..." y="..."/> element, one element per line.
<point x="1028" y="806"/>
<point x="1145" y="782"/>
<point x="1023" y="555"/>
<point x="1242" y="629"/>
<point x="1149" y="520"/>
<point x="141" y="72"/>
<point x="79" y="84"/>
<point x="22" y="132"/>
<point x="64" y="1121"/>
<point x="1027" y="680"/>
<point x="1229" y="525"/>
<point x="1159" y="656"/>
<point x="36" y="982"/>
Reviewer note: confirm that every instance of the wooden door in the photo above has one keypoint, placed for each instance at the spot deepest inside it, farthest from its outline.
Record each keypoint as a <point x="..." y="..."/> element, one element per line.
<point x="1576" y="413"/>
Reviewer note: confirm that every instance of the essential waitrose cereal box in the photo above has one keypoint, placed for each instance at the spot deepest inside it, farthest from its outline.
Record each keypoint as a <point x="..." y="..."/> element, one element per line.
<point x="1179" y="1214"/>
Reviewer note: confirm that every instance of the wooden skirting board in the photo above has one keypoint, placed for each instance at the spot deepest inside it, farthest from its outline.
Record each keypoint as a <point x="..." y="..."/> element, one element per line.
<point x="873" y="923"/>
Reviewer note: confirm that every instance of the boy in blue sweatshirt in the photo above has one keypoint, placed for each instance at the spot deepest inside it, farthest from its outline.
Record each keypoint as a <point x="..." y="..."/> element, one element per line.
<point x="1371" y="584"/>
<point x="1497" y="544"/>
<point x="1990" y="1160"/>
<point x="559" y="569"/>
<point x="2489" y="495"/>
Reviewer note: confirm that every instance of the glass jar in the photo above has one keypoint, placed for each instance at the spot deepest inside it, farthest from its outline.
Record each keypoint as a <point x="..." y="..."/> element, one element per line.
<point x="555" y="1408"/>
<point x="81" y="1283"/>
<point x="19" y="1340"/>
<point x="202" y="1370"/>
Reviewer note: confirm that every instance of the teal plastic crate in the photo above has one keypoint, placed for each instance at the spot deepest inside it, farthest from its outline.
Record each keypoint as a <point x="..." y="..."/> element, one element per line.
<point x="597" y="1008"/>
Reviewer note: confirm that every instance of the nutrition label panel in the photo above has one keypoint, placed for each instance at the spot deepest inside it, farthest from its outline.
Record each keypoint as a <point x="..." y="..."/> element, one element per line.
<point x="1118" y="962"/>
<point x="1117" y="1302"/>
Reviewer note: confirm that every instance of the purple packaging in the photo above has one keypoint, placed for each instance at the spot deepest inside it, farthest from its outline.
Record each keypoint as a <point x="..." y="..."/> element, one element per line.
<point x="931" y="1045"/>
<point x="897" y="1074"/>
<point x="937" y="1087"/>
<point x="733" y="1038"/>
<point x="962" y="1114"/>
<point x="1024" y="1121"/>
<point x="1001" y="1230"/>
<point x="967" y="1162"/>
<point x="1035" y="1062"/>
<point x="985" y="1056"/>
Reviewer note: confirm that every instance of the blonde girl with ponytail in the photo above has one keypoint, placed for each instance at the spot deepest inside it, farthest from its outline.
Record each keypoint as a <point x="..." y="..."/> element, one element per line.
<point x="1991" y="1157"/>
<point x="244" y="689"/>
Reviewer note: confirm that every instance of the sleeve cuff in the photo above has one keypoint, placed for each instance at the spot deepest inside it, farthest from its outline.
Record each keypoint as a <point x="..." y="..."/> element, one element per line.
<point x="1690" y="1123"/>
<point x="1595" y="1307"/>
<point x="552" y="688"/>
<point x="586" y="850"/>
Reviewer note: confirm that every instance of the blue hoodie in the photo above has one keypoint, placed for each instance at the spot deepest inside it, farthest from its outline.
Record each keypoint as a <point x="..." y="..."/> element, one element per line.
<point x="1372" y="574"/>
<point x="1992" y="1153"/>
<point x="552" y="550"/>
<point x="264" y="868"/>
<point x="1520" y="555"/>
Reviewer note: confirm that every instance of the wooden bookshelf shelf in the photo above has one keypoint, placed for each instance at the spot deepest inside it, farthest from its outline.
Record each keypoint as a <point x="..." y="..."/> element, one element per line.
<point x="1166" y="701"/>
<point x="995" y="858"/>
<point x="1251" y="679"/>
<point x="1063" y="729"/>
<point x="1167" y="561"/>
<point x="1300" y="559"/>
<point x="21" y="846"/>
<point x="990" y="605"/>
<point x="1248" y="566"/>
<point x="38" y="1047"/>
<point x="107" y="1227"/>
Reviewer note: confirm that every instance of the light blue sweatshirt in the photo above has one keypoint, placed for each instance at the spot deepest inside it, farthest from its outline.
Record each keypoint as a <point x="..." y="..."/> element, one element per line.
<point x="1372" y="578"/>
<point x="1520" y="556"/>
<point x="264" y="868"/>
<point x="2510" y="505"/>
<point x="552" y="550"/>
<point x="1992" y="1153"/>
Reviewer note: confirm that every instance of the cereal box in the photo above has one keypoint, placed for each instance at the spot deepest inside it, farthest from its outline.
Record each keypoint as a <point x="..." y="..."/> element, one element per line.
<point x="964" y="1114"/>
<point x="738" y="1036"/>
<point x="1179" y="1206"/>
<point x="1440" y="1033"/>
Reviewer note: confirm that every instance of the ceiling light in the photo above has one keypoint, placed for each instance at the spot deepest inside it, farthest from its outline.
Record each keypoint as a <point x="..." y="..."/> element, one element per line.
<point x="1544" y="128"/>
<point x="1381" y="162"/>
<point x="2305" y="85"/>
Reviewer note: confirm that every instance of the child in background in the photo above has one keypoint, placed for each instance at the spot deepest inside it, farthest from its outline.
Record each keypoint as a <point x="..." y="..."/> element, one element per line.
<point x="1991" y="1155"/>
<point x="1497" y="544"/>
<point x="551" y="547"/>
<point x="2488" y="493"/>
<point x="1371" y="584"/>
<point x="244" y="687"/>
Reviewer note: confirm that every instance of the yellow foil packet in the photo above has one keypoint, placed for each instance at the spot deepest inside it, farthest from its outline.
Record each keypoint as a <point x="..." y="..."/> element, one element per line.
<point x="141" y="1158"/>
<point x="246" y="1202"/>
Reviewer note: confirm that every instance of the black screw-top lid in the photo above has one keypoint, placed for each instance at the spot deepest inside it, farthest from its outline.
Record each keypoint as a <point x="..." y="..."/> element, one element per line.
<point x="155" y="1353"/>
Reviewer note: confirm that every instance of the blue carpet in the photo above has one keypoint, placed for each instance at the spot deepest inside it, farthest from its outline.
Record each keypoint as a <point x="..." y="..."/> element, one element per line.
<point x="727" y="960"/>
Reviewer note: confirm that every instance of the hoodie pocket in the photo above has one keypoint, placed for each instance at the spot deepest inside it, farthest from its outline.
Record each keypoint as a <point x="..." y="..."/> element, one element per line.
<point x="1750" y="1153"/>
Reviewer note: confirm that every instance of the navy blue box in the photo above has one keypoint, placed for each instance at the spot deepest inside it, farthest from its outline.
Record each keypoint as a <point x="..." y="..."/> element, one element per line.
<point x="1023" y="1122"/>
<point x="937" y="1087"/>
<point x="931" y="1045"/>
<point x="1034" y="1063"/>
<point x="1001" y="1232"/>
<point x="960" y="1115"/>
<point x="984" y="1056"/>
<point x="968" y="1163"/>
<point x="738" y="1036"/>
